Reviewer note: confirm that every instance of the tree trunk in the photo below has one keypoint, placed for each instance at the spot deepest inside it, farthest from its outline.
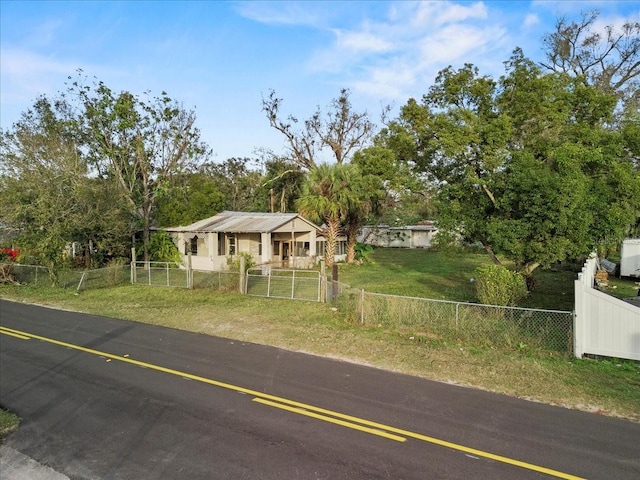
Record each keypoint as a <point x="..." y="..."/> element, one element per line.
<point x="352" y="240"/>
<point x="146" y="230"/>
<point x="333" y="229"/>
<point x="492" y="255"/>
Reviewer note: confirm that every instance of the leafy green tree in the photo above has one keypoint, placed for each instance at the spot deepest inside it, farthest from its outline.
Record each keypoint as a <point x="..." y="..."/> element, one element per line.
<point x="527" y="166"/>
<point x="458" y="139"/>
<point x="342" y="131"/>
<point x="327" y="196"/>
<point x="238" y="179"/>
<point x="589" y="168"/>
<point x="194" y="197"/>
<point x="47" y="196"/>
<point x="140" y="142"/>
<point x="282" y="183"/>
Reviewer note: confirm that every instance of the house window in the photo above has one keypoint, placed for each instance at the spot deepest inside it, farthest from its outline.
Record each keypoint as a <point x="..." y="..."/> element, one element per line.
<point x="232" y="245"/>
<point x="260" y="245"/>
<point x="320" y="248"/>
<point x="194" y="245"/>
<point x="220" y="244"/>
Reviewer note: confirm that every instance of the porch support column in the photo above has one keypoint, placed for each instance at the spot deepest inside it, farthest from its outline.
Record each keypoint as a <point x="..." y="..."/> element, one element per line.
<point x="267" y="248"/>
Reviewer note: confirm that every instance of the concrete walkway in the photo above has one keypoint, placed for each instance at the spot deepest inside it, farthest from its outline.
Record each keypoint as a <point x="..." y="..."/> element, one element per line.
<point x="16" y="466"/>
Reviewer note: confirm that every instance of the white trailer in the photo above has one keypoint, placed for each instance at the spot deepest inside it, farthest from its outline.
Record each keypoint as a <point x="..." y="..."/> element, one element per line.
<point x="630" y="258"/>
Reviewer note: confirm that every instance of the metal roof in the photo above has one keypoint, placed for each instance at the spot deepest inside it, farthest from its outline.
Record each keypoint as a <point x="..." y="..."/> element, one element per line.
<point x="241" y="222"/>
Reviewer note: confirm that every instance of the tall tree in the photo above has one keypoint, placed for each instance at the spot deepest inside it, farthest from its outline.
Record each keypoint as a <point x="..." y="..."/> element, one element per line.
<point x="328" y="196"/>
<point x="342" y="130"/>
<point x="46" y="194"/>
<point x="238" y="179"/>
<point x="459" y="142"/>
<point x="606" y="57"/>
<point x="194" y="197"/>
<point x="141" y="142"/>
<point x="527" y="166"/>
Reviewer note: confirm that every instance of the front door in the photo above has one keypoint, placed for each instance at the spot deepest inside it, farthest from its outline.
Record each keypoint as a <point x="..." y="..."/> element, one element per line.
<point x="285" y="254"/>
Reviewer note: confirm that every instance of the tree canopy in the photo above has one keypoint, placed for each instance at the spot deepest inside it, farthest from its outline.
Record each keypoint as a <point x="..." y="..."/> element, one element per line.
<point x="526" y="165"/>
<point x="47" y="197"/>
<point x="142" y="142"/>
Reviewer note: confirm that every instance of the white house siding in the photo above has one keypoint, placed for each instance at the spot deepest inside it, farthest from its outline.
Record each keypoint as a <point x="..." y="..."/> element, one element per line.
<point x="254" y="233"/>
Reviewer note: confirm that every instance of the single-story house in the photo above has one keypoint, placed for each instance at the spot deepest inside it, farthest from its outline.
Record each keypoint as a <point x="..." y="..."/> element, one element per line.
<point x="411" y="236"/>
<point x="279" y="239"/>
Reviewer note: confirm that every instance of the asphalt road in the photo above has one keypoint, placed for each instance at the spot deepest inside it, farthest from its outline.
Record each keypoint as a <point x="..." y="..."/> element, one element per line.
<point x="110" y="399"/>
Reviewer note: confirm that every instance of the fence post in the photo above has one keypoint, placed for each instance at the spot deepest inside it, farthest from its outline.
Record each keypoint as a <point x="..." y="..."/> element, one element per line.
<point x="334" y="281"/>
<point x="293" y="285"/>
<point x="84" y="274"/>
<point x="189" y="271"/>
<point x="457" y="315"/>
<point x="242" y="274"/>
<point x="362" y="307"/>
<point x="323" y="282"/>
<point x="579" y="315"/>
<point x="134" y="272"/>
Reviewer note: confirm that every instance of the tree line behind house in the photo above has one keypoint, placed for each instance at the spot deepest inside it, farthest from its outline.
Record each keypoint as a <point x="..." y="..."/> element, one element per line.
<point x="537" y="166"/>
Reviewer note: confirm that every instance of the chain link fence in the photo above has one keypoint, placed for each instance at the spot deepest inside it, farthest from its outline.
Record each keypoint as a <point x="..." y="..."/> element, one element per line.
<point x="168" y="274"/>
<point x="28" y="274"/>
<point x="106" y="277"/>
<point x="282" y="283"/>
<point x="110" y="276"/>
<point x="484" y="326"/>
<point x="222" y="281"/>
<point x="165" y="274"/>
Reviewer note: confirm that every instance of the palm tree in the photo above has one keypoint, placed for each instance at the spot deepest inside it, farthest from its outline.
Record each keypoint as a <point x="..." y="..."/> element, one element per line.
<point x="328" y="195"/>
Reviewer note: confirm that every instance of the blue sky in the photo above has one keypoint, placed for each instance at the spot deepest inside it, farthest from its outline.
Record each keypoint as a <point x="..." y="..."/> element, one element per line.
<point x="221" y="58"/>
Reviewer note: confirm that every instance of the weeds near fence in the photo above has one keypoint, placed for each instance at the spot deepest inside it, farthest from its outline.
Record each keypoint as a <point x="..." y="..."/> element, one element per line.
<point x="226" y="281"/>
<point x="482" y="326"/>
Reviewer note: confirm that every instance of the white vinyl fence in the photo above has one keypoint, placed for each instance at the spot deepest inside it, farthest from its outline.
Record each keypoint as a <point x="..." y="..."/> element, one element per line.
<point x="604" y="325"/>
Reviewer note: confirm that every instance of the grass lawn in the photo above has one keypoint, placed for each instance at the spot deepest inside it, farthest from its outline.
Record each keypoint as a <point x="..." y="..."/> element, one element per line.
<point x="607" y="387"/>
<point x="447" y="275"/>
<point x="8" y="423"/>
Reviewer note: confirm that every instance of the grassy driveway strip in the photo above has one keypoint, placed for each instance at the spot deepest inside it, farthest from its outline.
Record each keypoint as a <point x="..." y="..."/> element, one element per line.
<point x="607" y="387"/>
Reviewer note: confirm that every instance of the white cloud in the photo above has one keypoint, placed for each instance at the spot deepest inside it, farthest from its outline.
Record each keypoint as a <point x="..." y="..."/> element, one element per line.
<point x="26" y="74"/>
<point x="443" y="13"/>
<point x="392" y="57"/>
<point x="281" y="13"/>
<point x="530" y="20"/>
<point x="361" y="42"/>
<point x="16" y="62"/>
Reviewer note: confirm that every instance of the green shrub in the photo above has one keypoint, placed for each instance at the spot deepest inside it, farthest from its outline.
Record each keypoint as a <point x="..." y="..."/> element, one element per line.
<point x="162" y="248"/>
<point x="234" y="262"/>
<point x="496" y="285"/>
<point x="362" y="250"/>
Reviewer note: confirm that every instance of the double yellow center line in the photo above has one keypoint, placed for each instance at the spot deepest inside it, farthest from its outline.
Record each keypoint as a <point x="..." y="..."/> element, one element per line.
<point x="374" y="428"/>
